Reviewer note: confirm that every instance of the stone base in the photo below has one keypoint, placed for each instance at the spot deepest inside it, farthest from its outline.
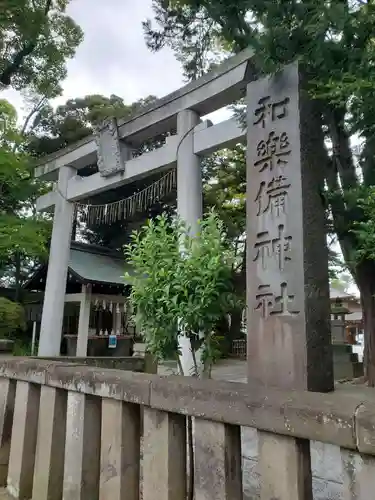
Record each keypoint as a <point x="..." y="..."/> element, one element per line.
<point x="346" y="364"/>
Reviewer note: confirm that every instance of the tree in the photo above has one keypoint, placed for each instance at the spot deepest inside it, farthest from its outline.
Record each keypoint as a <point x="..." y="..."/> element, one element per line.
<point x="36" y="38"/>
<point x="334" y="42"/>
<point x="342" y="282"/>
<point x="23" y="235"/>
<point x="181" y="286"/>
<point x="224" y="181"/>
<point x="12" y="318"/>
<point x="56" y="129"/>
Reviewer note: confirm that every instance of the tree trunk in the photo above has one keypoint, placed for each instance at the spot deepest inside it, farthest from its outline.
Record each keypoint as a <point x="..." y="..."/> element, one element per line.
<point x="365" y="273"/>
<point x="17" y="276"/>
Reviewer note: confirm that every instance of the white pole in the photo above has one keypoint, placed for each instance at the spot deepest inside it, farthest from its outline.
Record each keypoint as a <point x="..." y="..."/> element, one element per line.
<point x="189" y="201"/>
<point x="84" y="321"/>
<point x="33" y="338"/>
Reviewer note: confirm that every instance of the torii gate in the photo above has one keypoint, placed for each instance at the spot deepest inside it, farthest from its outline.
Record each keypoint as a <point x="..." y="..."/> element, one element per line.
<point x="111" y="149"/>
<point x="287" y="272"/>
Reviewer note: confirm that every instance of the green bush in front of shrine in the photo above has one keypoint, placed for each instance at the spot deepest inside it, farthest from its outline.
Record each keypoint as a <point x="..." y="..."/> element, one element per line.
<point x="181" y="286"/>
<point x="12" y="318"/>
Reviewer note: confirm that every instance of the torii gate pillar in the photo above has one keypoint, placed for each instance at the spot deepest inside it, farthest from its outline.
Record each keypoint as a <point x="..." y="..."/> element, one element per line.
<point x="189" y="196"/>
<point x="54" y="296"/>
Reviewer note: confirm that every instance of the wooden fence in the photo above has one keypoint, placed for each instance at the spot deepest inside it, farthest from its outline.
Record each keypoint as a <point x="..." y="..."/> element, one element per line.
<point x="74" y="432"/>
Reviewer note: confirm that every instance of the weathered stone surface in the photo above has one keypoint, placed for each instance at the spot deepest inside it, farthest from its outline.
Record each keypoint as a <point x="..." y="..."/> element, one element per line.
<point x="26" y="369"/>
<point x="289" y="342"/>
<point x="117" y="384"/>
<point x="217" y="460"/>
<point x="110" y="158"/>
<point x="365" y="427"/>
<point x="130" y="363"/>
<point x="340" y="418"/>
<point x="120" y="451"/>
<point x="327" y="469"/>
<point x="7" y="399"/>
<point x="164" y="456"/>
<point x="50" y="449"/>
<point x="322" y="417"/>
<point x="326" y="462"/>
<point x="23" y="442"/>
<point x="82" y="447"/>
<point x="284" y="467"/>
<point x="359" y="477"/>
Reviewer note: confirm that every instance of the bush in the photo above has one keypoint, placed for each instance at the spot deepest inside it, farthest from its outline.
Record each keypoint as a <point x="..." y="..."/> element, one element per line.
<point x="12" y="318"/>
<point x="181" y="286"/>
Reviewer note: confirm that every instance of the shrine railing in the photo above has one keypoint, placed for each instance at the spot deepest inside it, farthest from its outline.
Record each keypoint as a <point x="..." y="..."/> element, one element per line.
<point x="74" y="432"/>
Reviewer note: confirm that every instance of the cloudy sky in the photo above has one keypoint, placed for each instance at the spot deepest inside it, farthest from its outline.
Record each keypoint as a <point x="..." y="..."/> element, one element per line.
<point x="113" y="58"/>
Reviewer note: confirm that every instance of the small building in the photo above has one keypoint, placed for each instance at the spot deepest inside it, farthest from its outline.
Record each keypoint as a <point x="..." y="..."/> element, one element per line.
<point x="96" y="302"/>
<point x="353" y="318"/>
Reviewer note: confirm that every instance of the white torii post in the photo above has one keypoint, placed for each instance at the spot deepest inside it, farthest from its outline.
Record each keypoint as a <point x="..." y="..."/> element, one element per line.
<point x="84" y="321"/>
<point x="54" y="296"/>
<point x="189" y="198"/>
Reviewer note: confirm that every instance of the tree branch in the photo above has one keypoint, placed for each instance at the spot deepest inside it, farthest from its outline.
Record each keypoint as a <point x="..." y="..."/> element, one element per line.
<point x="338" y="210"/>
<point x="342" y="153"/>
<point x="19" y="57"/>
<point x="32" y="112"/>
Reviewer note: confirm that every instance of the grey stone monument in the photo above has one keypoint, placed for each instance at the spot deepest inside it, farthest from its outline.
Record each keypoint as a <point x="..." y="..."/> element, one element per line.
<point x="289" y="341"/>
<point x="110" y="155"/>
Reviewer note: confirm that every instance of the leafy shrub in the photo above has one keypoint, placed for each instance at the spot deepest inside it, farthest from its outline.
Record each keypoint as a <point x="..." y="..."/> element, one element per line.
<point x="12" y="318"/>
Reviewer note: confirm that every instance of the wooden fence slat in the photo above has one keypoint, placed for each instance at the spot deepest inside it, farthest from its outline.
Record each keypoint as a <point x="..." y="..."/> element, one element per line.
<point x="120" y="451"/>
<point x="285" y="467"/>
<point x="218" y="471"/>
<point x="49" y="460"/>
<point x="23" y="442"/>
<point x="82" y="447"/>
<point x="7" y="399"/>
<point x="164" y="456"/>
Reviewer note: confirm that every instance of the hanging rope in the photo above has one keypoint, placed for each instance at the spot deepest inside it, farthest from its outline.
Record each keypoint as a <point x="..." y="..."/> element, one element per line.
<point x="123" y="209"/>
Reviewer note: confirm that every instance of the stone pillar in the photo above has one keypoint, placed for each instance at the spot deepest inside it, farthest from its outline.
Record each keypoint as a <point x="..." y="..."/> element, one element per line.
<point x="217" y="461"/>
<point x="288" y="313"/>
<point x="84" y="321"/>
<point x="164" y="456"/>
<point x="189" y="175"/>
<point x="49" y="460"/>
<point x="120" y="450"/>
<point x="285" y="475"/>
<point x="189" y="196"/>
<point x="23" y="442"/>
<point x="288" y="307"/>
<point x="7" y="399"/>
<point x="82" y="447"/>
<point x="54" y="297"/>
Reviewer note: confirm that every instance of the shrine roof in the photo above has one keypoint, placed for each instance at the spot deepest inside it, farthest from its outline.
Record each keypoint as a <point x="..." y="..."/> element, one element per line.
<point x="88" y="264"/>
